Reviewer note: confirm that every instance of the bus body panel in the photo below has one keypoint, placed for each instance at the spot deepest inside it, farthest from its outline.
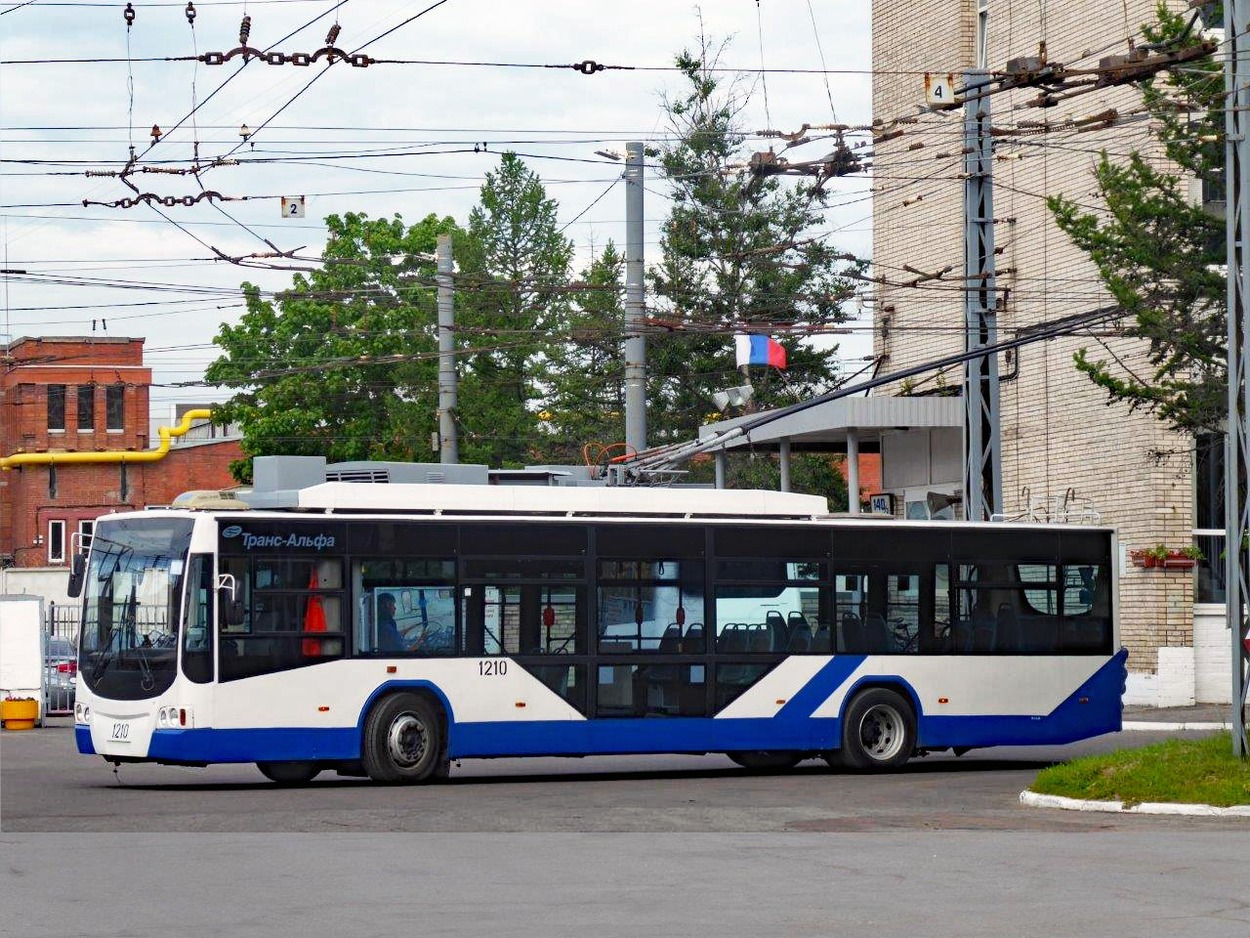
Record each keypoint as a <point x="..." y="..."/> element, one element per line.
<point x="806" y="720"/>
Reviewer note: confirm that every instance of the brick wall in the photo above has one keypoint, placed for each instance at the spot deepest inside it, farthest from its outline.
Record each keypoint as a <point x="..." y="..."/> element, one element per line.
<point x="28" y="498"/>
<point x="1058" y="434"/>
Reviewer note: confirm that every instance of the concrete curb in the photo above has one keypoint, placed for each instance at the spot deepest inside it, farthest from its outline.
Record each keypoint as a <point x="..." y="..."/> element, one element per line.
<point x="1034" y="800"/>
<point x="1158" y="727"/>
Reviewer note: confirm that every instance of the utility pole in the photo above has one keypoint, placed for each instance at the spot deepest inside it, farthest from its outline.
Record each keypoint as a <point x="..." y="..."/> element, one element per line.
<point x="635" y="343"/>
<point x="1237" y="445"/>
<point x="448" y="445"/>
<point x="983" y="484"/>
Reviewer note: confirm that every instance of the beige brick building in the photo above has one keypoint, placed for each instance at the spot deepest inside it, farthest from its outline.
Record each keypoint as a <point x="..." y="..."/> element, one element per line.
<point x="1060" y="439"/>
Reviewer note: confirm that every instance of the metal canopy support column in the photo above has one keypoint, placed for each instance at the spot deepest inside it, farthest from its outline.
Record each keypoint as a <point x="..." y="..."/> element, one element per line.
<point x="783" y="454"/>
<point x="983" y="486"/>
<point x="852" y="471"/>
<point x="1237" y="450"/>
<point x="721" y="460"/>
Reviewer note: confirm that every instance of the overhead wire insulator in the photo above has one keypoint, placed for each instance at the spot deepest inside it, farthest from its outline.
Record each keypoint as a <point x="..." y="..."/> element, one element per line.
<point x="129" y="14"/>
<point x="245" y="30"/>
<point x="190" y="11"/>
<point x="333" y="35"/>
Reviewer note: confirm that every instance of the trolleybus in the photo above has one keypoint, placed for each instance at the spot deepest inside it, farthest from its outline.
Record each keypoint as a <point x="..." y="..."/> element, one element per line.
<point x="385" y="630"/>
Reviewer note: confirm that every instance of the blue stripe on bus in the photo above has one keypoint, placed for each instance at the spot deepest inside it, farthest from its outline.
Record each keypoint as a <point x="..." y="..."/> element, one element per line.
<point x="286" y="744"/>
<point x="792" y="728"/>
<point x="82" y="736"/>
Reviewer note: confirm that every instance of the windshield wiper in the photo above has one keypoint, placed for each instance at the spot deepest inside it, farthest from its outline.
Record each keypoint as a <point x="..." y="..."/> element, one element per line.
<point x="105" y="657"/>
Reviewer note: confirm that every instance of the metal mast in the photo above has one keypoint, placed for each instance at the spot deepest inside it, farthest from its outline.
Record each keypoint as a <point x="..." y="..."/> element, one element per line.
<point x="1237" y="447"/>
<point x="983" y="484"/>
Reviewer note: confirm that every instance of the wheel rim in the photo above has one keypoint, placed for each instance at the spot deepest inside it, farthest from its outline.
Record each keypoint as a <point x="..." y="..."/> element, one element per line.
<point x="881" y="732"/>
<point x="406" y="740"/>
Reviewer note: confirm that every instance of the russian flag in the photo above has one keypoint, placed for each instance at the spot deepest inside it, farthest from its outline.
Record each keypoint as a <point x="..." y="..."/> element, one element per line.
<point x="759" y="350"/>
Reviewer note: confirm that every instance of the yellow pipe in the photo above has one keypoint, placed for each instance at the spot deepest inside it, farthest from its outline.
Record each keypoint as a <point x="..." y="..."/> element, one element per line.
<point x="147" y="455"/>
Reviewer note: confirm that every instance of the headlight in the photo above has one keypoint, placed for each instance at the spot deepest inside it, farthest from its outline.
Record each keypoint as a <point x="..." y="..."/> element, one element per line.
<point x="162" y="717"/>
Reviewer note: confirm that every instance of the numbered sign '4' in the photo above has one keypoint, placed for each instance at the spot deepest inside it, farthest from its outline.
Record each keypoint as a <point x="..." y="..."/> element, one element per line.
<point x="939" y="90"/>
<point x="292" y="206"/>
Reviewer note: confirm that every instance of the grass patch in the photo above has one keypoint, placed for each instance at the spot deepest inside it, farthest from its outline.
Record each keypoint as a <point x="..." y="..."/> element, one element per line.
<point x="1187" y="771"/>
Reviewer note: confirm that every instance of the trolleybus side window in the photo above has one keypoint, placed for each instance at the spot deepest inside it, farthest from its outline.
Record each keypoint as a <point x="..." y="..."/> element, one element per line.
<point x="1027" y="608"/>
<point x="404" y="606"/>
<point x="294" y="614"/>
<point x="772" y="606"/>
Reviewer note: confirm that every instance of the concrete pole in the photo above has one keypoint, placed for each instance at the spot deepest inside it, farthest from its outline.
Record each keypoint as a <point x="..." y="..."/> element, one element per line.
<point x="852" y="471"/>
<point x="783" y="450"/>
<point x="720" y="468"/>
<point x="635" y="344"/>
<point x="448" y="445"/>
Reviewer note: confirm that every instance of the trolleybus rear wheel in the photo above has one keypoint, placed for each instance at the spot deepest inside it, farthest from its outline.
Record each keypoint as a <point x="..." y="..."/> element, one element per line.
<point x="403" y="740"/>
<point x="878" y="732"/>
<point x="289" y="773"/>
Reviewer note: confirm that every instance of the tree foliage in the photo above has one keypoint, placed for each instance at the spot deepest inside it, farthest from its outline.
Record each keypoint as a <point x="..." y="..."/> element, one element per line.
<point x="512" y="308"/>
<point x="737" y="256"/>
<point x="585" y="403"/>
<point x="342" y="364"/>
<point x="1158" y="254"/>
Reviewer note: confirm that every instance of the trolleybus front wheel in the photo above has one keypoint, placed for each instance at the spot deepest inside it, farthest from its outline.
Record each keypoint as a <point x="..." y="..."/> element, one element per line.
<point x="403" y="740"/>
<point x="289" y="773"/>
<point x="878" y="732"/>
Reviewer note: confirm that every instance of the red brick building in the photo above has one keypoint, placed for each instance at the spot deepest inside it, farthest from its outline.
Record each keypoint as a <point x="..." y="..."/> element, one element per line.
<point x="73" y="427"/>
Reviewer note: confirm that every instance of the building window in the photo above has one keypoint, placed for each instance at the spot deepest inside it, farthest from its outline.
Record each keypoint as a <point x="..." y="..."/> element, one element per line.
<point x="86" y="407"/>
<point x="115" y="415"/>
<point x="56" y="407"/>
<point x="1209" y="516"/>
<point x="85" y="529"/>
<point x="56" y="542"/>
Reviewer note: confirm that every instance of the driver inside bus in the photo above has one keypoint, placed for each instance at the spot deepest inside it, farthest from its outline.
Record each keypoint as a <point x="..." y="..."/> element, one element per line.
<point x="388" y="632"/>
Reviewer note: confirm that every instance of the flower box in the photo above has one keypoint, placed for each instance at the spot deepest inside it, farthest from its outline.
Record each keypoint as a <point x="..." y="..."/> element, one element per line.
<point x="1159" y="558"/>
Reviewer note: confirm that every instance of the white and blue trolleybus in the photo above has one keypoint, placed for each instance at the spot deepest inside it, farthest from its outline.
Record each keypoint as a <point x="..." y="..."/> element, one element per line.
<point x="387" y="630"/>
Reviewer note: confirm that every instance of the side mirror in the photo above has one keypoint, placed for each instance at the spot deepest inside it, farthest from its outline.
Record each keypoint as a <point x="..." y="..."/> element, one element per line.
<point x="77" y="574"/>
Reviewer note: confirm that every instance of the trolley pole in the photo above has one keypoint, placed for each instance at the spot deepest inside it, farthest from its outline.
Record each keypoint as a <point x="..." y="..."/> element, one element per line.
<point x="635" y="343"/>
<point x="448" y="445"/>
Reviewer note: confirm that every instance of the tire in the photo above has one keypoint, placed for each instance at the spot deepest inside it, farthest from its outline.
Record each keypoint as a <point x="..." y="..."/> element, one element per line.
<point x="289" y="773"/>
<point x="403" y="740"/>
<point x="878" y="732"/>
<point x="763" y="760"/>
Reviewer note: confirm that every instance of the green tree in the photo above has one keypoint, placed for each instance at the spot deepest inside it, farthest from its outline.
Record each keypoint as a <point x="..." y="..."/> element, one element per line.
<point x="737" y="256"/>
<point x="585" y="403"/>
<point x="1159" y="254"/>
<point x="512" y="307"/>
<point x="342" y="364"/>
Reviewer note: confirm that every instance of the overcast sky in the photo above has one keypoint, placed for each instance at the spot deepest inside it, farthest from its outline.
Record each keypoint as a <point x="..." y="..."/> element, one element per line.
<point x="380" y="140"/>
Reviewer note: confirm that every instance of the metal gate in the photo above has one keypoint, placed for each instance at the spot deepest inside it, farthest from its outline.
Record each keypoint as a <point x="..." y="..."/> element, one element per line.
<point x="60" y="658"/>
